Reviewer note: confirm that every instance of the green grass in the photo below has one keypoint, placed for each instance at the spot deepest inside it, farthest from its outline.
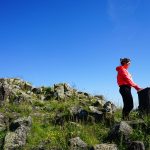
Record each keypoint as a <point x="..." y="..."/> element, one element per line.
<point x="59" y="136"/>
<point x="143" y="134"/>
<point x="44" y="131"/>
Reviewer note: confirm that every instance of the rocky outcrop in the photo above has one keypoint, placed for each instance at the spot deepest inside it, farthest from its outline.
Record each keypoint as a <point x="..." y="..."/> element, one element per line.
<point x="122" y="132"/>
<point x="78" y="113"/>
<point x="14" y="90"/>
<point x="16" y="137"/>
<point x="119" y="130"/>
<point x="83" y="108"/>
<point x="62" y="91"/>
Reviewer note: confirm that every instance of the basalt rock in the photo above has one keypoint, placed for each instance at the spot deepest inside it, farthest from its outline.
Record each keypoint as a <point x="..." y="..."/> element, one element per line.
<point x="78" y="113"/>
<point x="120" y="130"/>
<point x="105" y="147"/>
<point x="16" y="137"/>
<point x="77" y="144"/>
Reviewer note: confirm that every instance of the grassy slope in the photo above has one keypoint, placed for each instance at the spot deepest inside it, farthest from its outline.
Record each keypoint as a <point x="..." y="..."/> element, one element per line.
<point x="45" y="132"/>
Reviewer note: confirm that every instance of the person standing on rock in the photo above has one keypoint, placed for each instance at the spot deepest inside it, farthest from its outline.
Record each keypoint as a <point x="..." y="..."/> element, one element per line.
<point x="125" y="82"/>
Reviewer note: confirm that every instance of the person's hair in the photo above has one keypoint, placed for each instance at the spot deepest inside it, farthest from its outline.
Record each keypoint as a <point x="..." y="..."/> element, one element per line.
<point x="124" y="61"/>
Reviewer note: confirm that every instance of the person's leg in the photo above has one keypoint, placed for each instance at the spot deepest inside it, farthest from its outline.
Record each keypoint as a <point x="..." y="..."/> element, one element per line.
<point x="125" y="91"/>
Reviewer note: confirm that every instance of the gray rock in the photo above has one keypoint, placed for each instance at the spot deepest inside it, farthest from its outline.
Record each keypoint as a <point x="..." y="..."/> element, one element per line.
<point x="3" y="129"/>
<point x="18" y="83"/>
<point x="95" y="110"/>
<point x="27" y="86"/>
<point x="16" y="137"/>
<point x="63" y="90"/>
<point x="25" y="121"/>
<point x="96" y="113"/>
<point x="15" y="140"/>
<point x="59" y="119"/>
<point x="4" y="93"/>
<point x="68" y="93"/>
<point x="125" y="128"/>
<point x="135" y="124"/>
<point x="98" y="103"/>
<point x="14" y="90"/>
<point x="77" y="144"/>
<point x="17" y="97"/>
<point x="67" y="88"/>
<point x="78" y="113"/>
<point x="2" y="122"/>
<point x="136" y="145"/>
<point x="109" y="118"/>
<point x="59" y="91"/>
<point x="37" y="90"/>
<point x="74" y="110"/>
<point x="120" y="129"/>
<point x="105" y="147"/>
<point x="23" y="85"/>
<point x="109" y="107"/>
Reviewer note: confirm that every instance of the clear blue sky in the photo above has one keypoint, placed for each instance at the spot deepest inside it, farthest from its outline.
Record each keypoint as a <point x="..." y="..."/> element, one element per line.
<point x="75" y="41"/>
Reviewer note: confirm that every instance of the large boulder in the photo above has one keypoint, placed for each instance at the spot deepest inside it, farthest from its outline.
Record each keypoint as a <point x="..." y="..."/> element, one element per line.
<point x="14" y="90"/>
<point x="120" y="130"/>
<point x="25" y="121"/>
<point x="17" y="97"/>
<point x="16" y="83"/>
<point x="19" y="83"/>
<point x="16" y="137"/>
<point x="63" y="90"/>
<point x="59" y="91"/>
<point x="77" y="144"/>
<point x="78" y="113"/>
<point x="68" y="90"/>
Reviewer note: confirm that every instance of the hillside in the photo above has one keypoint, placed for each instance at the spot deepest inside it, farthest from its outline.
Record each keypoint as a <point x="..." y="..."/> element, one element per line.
<point x="63" y="118"/>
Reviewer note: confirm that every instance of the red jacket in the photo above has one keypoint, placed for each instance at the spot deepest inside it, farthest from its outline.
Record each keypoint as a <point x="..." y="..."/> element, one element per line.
<point x="125" y="78"/>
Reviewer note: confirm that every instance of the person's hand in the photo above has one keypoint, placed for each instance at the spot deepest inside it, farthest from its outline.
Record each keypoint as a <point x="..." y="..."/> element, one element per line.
<point x="140" y="90"/>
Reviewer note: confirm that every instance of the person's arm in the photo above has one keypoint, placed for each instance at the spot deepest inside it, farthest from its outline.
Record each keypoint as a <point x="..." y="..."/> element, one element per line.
<point x="128" y="79"/>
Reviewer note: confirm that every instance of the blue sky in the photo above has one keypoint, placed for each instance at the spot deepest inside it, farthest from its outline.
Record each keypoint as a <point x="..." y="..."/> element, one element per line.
<point x="75" y="41"/>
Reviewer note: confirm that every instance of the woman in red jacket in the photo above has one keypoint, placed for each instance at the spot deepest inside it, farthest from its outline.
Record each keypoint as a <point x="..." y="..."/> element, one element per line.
<point x="125" y="83"/>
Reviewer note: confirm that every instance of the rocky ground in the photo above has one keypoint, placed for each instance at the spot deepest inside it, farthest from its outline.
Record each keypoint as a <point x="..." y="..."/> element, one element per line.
<point x="63" y="118"/>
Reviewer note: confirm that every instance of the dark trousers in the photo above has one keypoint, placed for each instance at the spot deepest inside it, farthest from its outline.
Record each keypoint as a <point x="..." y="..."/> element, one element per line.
<point x="125" y="92"/>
